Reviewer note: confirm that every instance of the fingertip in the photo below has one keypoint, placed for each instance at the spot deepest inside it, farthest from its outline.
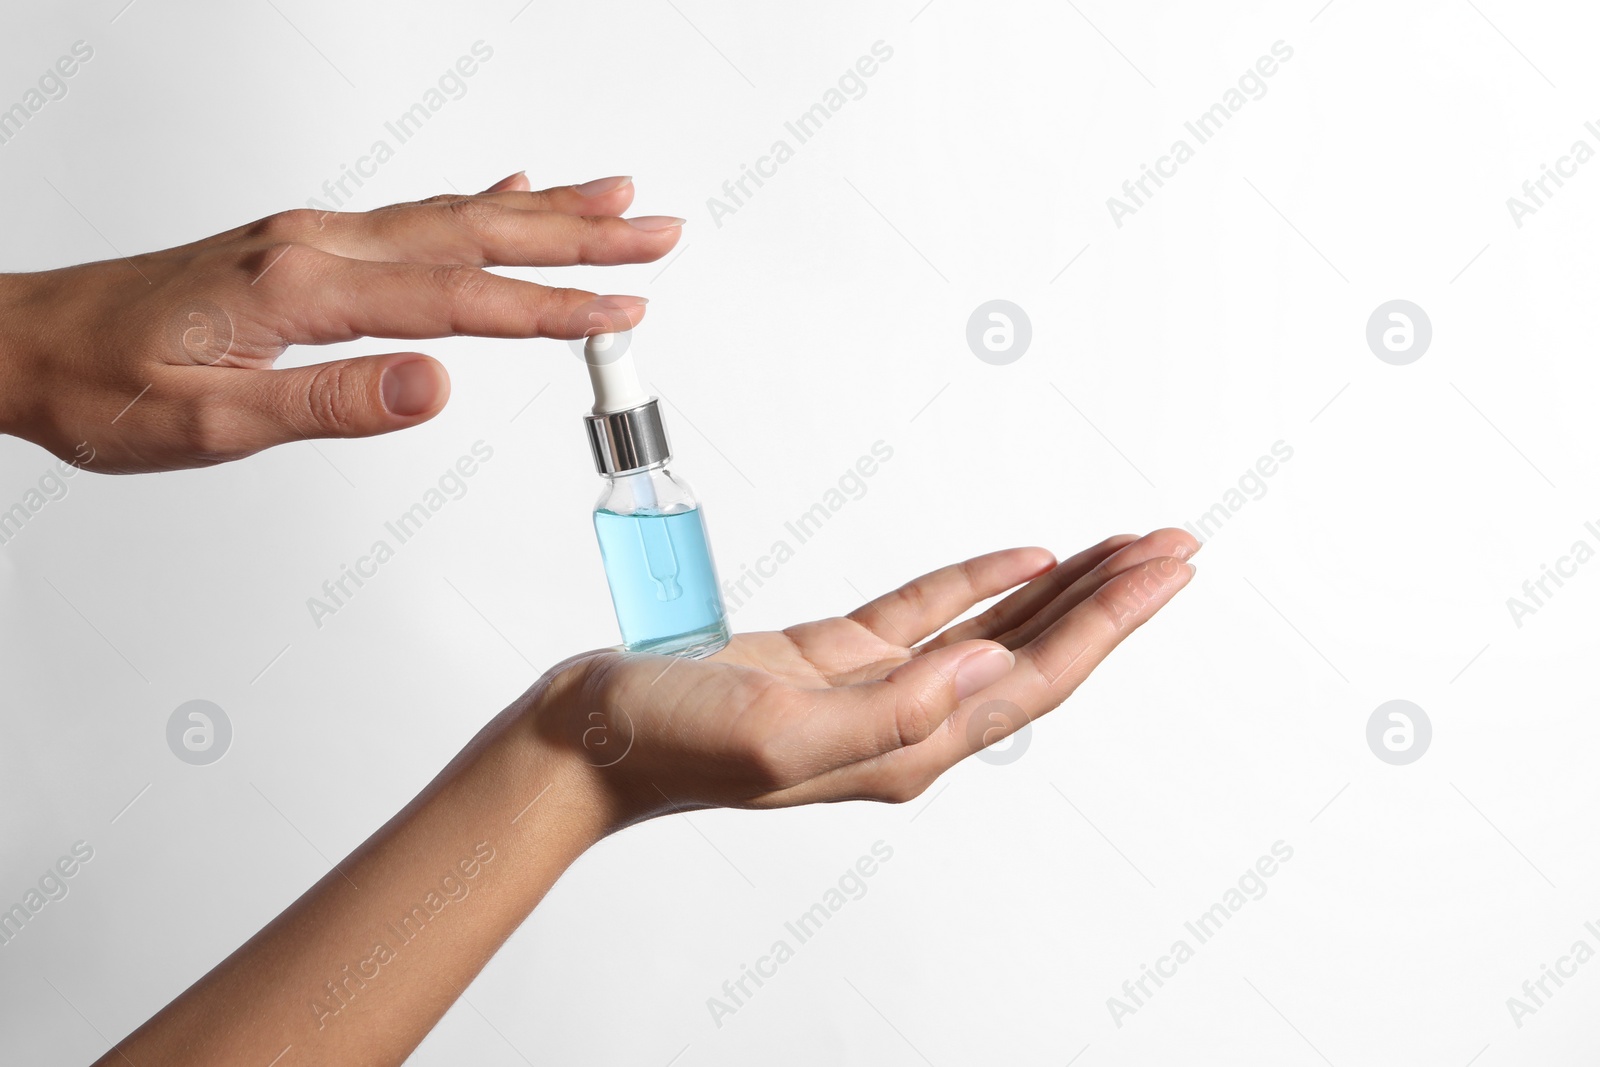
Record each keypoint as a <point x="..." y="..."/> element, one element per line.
<point x="656" y="223"/>
<point x="620" y="301"/>
<point x="620" y="313"/>
<point x="1037" y="558"/>
<point x="573" y="314"/>
<point x="1174" y="572"/>
<point x="602" y="186"/>
<point x="1159" y="543"/>
<point x="414" y="387"/>
<point x="652" y="237"/>
<point x="1174" y="542"/>
<point x="1023" y="565"/>
<point x="935" y="683"/>
<point x="1176" y="534"/>
<point x="606" y="196"/>
<point x="517" y="182"/>
<point x="985" y="664"/>
<point x="1017" y="564"/>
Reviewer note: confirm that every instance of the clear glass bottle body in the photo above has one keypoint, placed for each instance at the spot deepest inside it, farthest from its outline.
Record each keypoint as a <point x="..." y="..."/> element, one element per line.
<point x="658" y="564"/>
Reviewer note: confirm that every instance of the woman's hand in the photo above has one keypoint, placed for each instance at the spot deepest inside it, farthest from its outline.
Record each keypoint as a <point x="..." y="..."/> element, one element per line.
<point x="867" y="706"/>
<point x="162" y="361"/>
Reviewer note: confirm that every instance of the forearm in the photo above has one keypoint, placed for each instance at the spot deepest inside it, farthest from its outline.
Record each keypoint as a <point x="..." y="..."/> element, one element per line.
<point x="361" y="967"/>
<point x="16" y="391"/>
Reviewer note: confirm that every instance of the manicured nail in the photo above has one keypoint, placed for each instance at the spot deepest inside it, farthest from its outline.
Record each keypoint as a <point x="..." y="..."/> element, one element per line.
<point x="621" y="301"/>
<point x="1168" y="567"/>
<point x="410" y="388"/>
<point x="601" y="186"/>
<point x="505" y="182"/>
<point x="981" y="670"/>
<point x="655" y="222"/>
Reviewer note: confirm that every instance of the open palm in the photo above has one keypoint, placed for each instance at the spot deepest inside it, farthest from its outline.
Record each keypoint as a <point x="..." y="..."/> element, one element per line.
<point x="871" y="705"/>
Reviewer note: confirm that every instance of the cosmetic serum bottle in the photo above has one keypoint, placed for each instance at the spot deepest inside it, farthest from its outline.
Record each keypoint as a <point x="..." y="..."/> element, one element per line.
<point x="652" y="534"/>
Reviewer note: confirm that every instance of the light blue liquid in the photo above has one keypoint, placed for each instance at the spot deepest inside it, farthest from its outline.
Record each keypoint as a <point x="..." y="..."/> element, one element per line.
<point x="663" y="583"/>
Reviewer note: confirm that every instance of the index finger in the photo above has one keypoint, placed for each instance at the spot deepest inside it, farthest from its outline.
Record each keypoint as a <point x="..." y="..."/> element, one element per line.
<point x="319" y="298"/>
<point x="1032" y="598"/>
<point x="910" y="613"/>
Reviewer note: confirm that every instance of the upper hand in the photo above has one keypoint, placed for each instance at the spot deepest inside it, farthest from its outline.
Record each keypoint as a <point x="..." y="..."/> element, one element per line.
<point x="865" y="706"/>
<point x="162" y="360"/>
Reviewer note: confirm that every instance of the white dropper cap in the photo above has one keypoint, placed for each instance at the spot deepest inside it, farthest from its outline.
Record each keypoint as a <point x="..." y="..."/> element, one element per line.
<point x="617" y="389"/>
<point x="612" y="373"/>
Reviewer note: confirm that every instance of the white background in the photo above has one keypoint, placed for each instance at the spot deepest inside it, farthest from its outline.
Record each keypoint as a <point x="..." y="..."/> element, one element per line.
<point x="827" y="313"/>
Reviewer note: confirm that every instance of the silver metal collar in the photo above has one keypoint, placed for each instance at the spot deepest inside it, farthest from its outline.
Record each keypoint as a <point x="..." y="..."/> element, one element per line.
<point x="628" y="440"/>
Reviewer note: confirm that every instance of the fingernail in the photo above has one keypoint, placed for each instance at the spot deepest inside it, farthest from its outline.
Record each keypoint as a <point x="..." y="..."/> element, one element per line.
<point x="1167" y="567"/>
<point x="621" y="301"/>
<point x="655" y="222"/>
<point x="504" y="182"/>
<point x="410" y="388"/>
<point x="981" y="670"/>
<point x="601" y="186"/>
<point x="1184" y="552"/>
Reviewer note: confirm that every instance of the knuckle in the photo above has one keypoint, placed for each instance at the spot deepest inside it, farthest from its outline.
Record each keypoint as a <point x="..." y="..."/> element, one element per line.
<point x="207" y="431"/>
<point x="472" y="212"/>
<point x="289" y="225"/>
<point x="332" y="401"/>
<point x="988" y="619"/>
<point x="457" y="281"/>
<point x="591" y="239"/>
<point x="279" y="260"/>
<point x="914" y="722"/>
<point x="459" y="288"/>
<point x="912" y="598"/>
<point x="968" y="570"/>
<point x="1117" y="602"/>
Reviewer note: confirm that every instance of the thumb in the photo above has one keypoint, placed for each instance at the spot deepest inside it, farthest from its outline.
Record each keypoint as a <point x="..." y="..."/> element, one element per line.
<point x="357" y="397"/>
<point x="924" y="691"/>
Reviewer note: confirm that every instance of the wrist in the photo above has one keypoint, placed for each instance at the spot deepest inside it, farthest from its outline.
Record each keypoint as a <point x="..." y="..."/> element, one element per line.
<point x="546" y="796"/>
<point x="587" y="743"/>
